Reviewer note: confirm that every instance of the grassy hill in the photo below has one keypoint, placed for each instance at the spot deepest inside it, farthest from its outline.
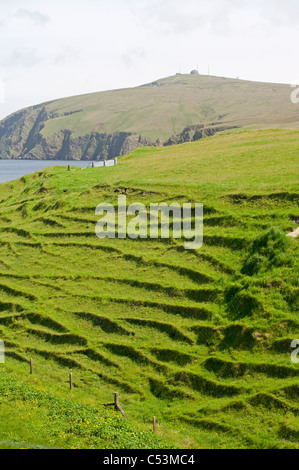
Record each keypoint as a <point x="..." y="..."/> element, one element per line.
<point x="200" y="339"/>
<point x="174" y="109"/>
<point x="46" y="421"/>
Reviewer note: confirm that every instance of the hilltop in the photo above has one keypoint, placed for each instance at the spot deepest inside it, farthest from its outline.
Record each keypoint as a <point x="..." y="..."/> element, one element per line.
<point x="168" y="111"/>
<point x="200" y="339"/>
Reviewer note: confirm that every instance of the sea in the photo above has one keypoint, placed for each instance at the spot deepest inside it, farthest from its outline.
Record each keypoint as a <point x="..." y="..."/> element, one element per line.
<point x="13" y="169"/>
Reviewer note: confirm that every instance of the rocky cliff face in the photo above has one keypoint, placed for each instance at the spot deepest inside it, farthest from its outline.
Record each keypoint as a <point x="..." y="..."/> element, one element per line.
<point x="21" y="137"/>
<point x="193" y="133"/>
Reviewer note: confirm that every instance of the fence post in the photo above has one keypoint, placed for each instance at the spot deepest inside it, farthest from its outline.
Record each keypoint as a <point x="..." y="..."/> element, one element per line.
<point x="116" y="404"/>
<point x="92" y="165"/>
<point x="69" y="167"/>
<point x="154" y="423"/>
<point x="2" y="352"/>
<point x="71" y="381"/>
<point x="115" y="161"/>
<point x="31" y="367"/>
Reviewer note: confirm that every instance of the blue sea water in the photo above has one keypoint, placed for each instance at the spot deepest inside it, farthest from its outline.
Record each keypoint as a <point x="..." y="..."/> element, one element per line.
<point x="14" y="169"/>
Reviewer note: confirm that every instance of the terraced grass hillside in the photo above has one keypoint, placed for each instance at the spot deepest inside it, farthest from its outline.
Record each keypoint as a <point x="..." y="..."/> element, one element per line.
<point x="200" y="339"/>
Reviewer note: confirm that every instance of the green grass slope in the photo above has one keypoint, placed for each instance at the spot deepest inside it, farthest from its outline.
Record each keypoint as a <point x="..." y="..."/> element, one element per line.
<point x="47" y="421"/>
<point x="200" y="339"/>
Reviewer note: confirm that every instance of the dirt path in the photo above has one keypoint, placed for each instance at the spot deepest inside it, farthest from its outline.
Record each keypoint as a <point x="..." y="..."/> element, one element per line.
<point x="294" y="234"/>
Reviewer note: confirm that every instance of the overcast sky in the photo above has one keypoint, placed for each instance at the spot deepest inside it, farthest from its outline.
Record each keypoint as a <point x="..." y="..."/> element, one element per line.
<point x="57" y="48"/>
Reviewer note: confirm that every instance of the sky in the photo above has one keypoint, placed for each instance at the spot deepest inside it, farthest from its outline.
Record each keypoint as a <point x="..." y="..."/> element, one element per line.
<point x="52" y="49"/>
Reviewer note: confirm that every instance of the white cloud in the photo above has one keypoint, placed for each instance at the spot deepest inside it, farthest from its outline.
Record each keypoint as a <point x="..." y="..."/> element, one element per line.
<point x="66" y="55"/>
<point x="280" y="15"/>
<point x="2" y="91"/>
<point x="133" y="57"/>
<point x="34" y="16"/>
<point x="22" y="57"/>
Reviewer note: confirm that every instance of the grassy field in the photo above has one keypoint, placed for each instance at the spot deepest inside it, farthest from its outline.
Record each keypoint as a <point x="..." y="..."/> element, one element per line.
<point x="32" y="418"/>
<point x="200" y="339"/>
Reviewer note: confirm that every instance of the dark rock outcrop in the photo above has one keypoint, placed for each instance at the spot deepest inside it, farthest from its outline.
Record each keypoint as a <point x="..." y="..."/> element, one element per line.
<point x="21" y="138"/>
<point x="193" y="133"/>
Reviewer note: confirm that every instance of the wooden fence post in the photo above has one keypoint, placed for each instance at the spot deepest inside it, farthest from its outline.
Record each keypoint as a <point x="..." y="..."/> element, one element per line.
<point x="116" y="404"/>
<point x="71" y="381"/>
<point x="69" y="167"/>
<point x="154" y="423"/>
<point x="31" y="366"/>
